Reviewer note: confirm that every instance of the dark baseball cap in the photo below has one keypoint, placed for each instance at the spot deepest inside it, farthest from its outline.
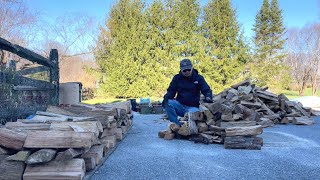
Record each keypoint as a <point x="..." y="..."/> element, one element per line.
<point x="185" y="64"/>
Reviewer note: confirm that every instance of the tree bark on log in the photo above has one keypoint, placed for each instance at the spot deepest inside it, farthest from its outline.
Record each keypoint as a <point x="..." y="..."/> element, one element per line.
<point x="243" y="142"/>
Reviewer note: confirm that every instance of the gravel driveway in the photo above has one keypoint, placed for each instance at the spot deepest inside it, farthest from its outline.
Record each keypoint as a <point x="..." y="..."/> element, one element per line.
<point x="289" y="152"/>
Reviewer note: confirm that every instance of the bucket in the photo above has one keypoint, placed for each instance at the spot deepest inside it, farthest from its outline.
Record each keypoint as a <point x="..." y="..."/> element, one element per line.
<point x="145" y="101"/>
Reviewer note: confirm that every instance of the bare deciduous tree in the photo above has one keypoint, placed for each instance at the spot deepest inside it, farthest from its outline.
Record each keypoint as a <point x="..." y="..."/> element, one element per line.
<point x="304" y="56"/>
<point x="16" y="22"/>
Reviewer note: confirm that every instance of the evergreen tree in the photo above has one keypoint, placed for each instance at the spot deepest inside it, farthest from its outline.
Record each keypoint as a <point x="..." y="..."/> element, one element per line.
<point x="122" y="60"/>
<point x="277" y="30"/>
<point x="226" y="52"/>
<point x="268" y="67"/>
<point x="173" y="25"/>
<point x="262" y="32"/>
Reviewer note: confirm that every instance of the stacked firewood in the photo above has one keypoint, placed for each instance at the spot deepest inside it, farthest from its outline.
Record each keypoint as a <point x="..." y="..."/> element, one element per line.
<point x="237" y="115"/>
<point x="62" y="143"/>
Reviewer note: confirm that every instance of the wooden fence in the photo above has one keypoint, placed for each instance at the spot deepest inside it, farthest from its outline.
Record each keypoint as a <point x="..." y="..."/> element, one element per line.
<point x="21" y="96"/>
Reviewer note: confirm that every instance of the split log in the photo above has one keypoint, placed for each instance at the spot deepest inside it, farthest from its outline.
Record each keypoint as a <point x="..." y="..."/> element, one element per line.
<point x="237" y="117"/>
<point x="110" y="141"/>
<point x="205" y="138"/>
<point x="69" y="154"/>
<point x="274" y="116"/>
<point x="41" y="156"/>
<point x="19" y="156"/>
<point x="284" y="120"/>
<point x="239" y="109"/>
<point x="25" y="127"/>
<point x="48" y="119"/>
<point x="282" y="96"/>
<point x="126" y="105"/>
<point x="247" y="97"/>
<point x="73" y="169"/>
<point x="210" y="122"/>
<point x="99" y="114"/>
<point x="184" y="130"/>
<point x="12" y="139"/>
<point x="42" y="114"/>
<point x="243" y="142"/>
<point x="269" y="112"/>
<point x="227" y="117"/>
<point x="59" y="139"/>
<point x="169" y="136"/>
<point x="161" y="134"/>
<point x="96" y="152"/>
<point x="294" y="114"/>
<point x="207" y="113"/>
<point x="237" y="124"/>
<point x="243" y="83"/>
<point x="227" y="108"/>
<point x="291" y="103"/>
<point x="303" y="120"/>
<point x="244" y="90"/>
<point x="251" y="104"/>
<point x="251" y="115"/>
<point x="268" y="96"/>
<point x="315" y="112"/>
<point x="217" y="130"/>
<point x="307" y="109"/>
<point x="265" y="122"/>
<point x="244" y="131"/>
<point x="108" y="132"/>
<point x="173" y="127"/>
<point x="214" y="107"/>
<point x="202" y="127"/>
<point x="86" y="126"/>
<point x="290" y="119"/>
<point x="266" y="93"/>
<point x="284" y="106"/>
<point x="212" y="139"/>
<point x="302" y="111"/>
<point x="90" y="163"/>
<point x="11" y="170"/>
<point x="119" y="134"/>
<point x="125" y="129"/>
<point x="234" y="99"/>
<point x="58" y="110"/>
<point x="232" y="93"/>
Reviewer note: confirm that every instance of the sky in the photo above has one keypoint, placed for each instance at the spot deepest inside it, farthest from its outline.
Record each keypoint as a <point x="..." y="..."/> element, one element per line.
<point x="296" y="13"/>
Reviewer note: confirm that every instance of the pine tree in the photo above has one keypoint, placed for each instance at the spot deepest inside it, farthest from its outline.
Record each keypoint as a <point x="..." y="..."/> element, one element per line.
<point x="124" y="53"/>
<point x="262" y="32"/>
<point x="267" y="67"/>
<point x="277" y="30"/>
<point x="226" y="52"/>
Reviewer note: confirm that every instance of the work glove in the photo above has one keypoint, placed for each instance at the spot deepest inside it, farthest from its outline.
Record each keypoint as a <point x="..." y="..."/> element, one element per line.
<point x="208" y="100"/>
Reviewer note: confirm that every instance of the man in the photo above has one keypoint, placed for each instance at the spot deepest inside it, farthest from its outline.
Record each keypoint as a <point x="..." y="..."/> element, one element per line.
<point x="188" y="84"/>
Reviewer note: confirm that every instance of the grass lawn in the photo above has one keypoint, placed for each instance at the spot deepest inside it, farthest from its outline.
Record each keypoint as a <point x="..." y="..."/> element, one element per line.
<point x="295" y="94"/>
<point x="288" y="93"/>
<point x="111" y="100"/>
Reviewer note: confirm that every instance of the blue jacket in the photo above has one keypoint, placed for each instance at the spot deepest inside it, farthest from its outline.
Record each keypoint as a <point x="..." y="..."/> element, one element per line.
<point x="188" y="89"/>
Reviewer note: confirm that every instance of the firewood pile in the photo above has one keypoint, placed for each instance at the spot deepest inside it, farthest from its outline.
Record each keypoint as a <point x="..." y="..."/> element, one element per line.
<point x="237" y="115"/>
<point x="63" y="142"/>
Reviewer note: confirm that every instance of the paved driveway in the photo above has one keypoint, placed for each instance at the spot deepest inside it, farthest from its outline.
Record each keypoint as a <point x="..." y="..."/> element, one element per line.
<point x="289" y="152"/>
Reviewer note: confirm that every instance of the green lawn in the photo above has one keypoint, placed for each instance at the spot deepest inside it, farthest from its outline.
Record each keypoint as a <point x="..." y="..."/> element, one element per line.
<point x="111" y="100"/>
<point x="295" y="94"/>
<point x="289" y="94"/>
<point x="102" y="100"/>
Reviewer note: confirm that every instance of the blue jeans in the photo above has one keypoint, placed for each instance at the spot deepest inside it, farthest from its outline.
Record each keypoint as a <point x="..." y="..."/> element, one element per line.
<point x="175" y="109"/>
